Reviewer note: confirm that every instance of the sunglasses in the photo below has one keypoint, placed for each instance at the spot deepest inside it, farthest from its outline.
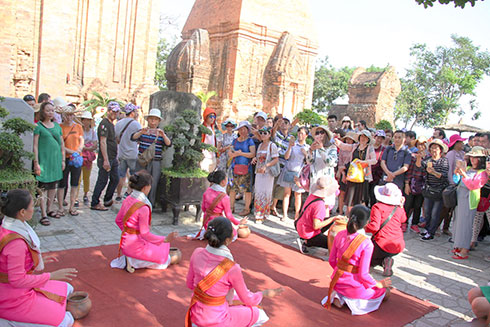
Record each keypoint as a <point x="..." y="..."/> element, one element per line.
<point x="321" y="132"/>
<point x="263" y="133"/>
<point x="212" y="116"/>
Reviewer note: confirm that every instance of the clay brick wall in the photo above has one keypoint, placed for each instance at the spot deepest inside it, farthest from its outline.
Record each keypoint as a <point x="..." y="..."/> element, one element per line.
<point x="79" y="46"/>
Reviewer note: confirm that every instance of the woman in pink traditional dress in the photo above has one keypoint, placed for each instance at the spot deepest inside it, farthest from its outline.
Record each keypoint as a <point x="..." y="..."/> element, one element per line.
<point x="351" y="282"/>
<point x="215" y="202"/>
<point x="216" y="289"/>
<point x="28" y="299"/>
<point x="140" y="248"/>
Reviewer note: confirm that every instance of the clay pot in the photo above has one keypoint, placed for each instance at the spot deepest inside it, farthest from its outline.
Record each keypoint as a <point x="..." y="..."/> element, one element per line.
<point x="243" y="231"/>
<point x="175" y="256"/>
<point x="338" y="226"/>
<point x="79" y="304"/>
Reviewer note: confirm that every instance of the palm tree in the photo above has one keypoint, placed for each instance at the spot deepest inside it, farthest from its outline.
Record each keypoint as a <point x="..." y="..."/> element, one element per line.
<point x="99" y="101"/>
<point x="204" y="97"/>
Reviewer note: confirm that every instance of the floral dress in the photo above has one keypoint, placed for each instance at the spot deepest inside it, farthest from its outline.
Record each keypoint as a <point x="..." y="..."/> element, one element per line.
<point x="226" y="140"/>
<point x="264" y="183"/>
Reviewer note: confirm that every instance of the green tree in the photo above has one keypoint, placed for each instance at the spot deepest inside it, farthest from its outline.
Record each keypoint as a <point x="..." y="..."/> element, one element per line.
<point x="163" y="51"/>
<point x="204" y="97"/>
<point x="99" y="100"/>
<point x="434" y="85"/>
<point x="330" y="84"/>
<point x="457" y="3"/>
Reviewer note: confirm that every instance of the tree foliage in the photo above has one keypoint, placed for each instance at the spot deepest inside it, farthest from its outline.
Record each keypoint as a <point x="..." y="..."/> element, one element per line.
<point x="163" y="51"/>
<point x="433" y="86"/>
<point x="457" y="3"/>
<point x="310" y="118"/>
<point x="204" y="97"/>
<point x="330" y="84"/>
<point x="99" y="100"/>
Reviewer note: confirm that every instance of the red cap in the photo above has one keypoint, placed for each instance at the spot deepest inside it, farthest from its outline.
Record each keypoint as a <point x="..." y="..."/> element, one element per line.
<point x="208" y="111"/>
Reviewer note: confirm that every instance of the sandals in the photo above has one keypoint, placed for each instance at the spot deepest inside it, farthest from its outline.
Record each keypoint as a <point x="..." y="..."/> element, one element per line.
<point x="274" y="212"/>
<point x="61" y="213"/>
<point x="99" y="207"/>
<point x="44" y="221"/>
<point x="244" y="213"/>
<point x="455" y="250"/>
<point x="73" y="212"/>
<point x="459" y="256"/>
<point x="54" y="214"/>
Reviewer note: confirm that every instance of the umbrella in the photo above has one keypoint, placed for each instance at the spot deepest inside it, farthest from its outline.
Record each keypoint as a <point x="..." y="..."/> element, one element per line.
<point x="462" y="128"/>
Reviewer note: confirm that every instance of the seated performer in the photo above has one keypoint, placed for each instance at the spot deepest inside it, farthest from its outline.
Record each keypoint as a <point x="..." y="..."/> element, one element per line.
<point x="217" y="280"/>
<point x="140" y="248"/>
<point x="215" y="202"/>
<point x="350" y="257"/>
<point x="28" y="299"/>
<point x="313" y="219"/>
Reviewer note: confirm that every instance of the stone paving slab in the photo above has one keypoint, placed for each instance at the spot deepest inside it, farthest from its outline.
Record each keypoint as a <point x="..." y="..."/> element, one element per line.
<point x="424" y="269"/>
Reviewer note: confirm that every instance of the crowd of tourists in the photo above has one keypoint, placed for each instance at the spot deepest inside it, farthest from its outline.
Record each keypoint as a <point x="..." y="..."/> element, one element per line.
<point x="344" y="177"/>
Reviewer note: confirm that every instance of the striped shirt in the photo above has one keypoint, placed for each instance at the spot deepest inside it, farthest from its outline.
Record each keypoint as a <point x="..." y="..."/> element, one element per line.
<point x="440" y="166"/>
<point x="144" y="142"/>
<point x="282" y="142"/>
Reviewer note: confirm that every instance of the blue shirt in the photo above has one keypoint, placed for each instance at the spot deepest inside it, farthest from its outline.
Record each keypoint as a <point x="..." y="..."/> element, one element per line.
<point x="245" y="147"/>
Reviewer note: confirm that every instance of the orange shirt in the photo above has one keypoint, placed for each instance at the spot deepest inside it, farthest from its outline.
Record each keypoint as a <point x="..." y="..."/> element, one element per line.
<point x="71" y="136"/>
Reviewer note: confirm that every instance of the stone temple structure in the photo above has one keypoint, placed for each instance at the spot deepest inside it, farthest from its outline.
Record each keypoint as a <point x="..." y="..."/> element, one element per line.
<point x="70" y="48"/>
<point x="372" y="96"/>
<point x="256" y="54"/>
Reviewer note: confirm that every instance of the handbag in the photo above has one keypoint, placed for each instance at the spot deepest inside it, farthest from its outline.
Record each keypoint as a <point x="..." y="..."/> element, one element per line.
<point x="431" y="193"/>
<point x="450" y="196"/>
<point x="304" y="177"/>
<point x="239" y="169"/>
<point x="147" y="156"/>
<point x="289" y="175"/>
<point x="274" y="170"/>
<point x="355" y="173"/>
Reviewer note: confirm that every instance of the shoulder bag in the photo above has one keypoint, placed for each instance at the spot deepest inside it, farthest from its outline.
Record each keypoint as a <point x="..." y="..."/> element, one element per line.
<point x="147" y="156"/>
<point x="385" y="222"/>
<point x="274" y="170"/>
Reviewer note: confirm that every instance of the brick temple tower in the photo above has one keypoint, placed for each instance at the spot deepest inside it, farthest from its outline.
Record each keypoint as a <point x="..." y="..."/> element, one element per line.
<point x="256" y="54"/>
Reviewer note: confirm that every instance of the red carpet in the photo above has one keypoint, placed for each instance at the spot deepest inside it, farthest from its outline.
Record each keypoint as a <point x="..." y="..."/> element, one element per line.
<point x="160" y="298"/>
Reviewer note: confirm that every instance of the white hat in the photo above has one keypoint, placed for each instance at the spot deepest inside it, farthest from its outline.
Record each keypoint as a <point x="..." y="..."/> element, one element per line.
<point x="367" y="134"/>
<point x="243" y="123"/>
<point x="59" y="102"/>
<point x="261" y="114"/>
<point x="389" y="194"/>
<point x="346" y="118"/>
<point x="86" y="115"/>
<point x="325" y="187"/>
<point x="154" y="113"/>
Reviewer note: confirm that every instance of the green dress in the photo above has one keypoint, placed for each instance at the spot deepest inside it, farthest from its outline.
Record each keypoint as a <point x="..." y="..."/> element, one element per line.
<point x="49" y="153"/>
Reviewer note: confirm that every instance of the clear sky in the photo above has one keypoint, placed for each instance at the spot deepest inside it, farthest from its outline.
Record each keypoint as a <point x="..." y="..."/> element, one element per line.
<point x="377" y="32"/>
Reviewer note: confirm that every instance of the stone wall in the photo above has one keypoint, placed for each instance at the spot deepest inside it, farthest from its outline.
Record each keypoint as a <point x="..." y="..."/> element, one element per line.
<point x="261" y="56"/>
<point x="70" y="48"/>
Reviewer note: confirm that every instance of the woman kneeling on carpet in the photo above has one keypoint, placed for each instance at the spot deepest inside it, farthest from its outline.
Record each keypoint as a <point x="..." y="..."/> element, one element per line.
<point x="140" y="248"/>
<point x="28" y="299"/>
<point x="350" y="258"/>
<point x="215" y="202"/>
<point x="217" y="281"/>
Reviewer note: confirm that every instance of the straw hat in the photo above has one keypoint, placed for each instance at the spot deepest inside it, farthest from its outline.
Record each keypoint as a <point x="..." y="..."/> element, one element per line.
<point x="37" y="107"/>
<point x="325" y="128"/>
<point x="324" y="187"/>
<point x="477" y="151"/>
<point x="86" y="115"/>
<point x="455" y="138"/>
<point x="68" y="110"/>
<point x="421" y="139"/>
<point x="439" y="143"/>
<point x="389" y="194"/>
<point x="154" y="113"/>
<point x="352" y="135"/>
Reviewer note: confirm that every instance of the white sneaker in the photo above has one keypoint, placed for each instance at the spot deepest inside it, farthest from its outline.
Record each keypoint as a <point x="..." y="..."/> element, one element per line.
<point x="301" y="246"/>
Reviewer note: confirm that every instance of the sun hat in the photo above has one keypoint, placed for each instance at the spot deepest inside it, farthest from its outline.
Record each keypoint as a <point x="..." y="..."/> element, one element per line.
<point x="380" y="133"/>
<point x="68" y="110"/>
<point x="208" y="111"/>
<point x="86" y="115"/>
<point x="421" y="139"/>
<point x="262" y="115"/>
<point x="352" y="135"/>
<point x="154" y="113"/>
<point x="439" y="143"/>
<point x="389" y="194"/>
<point x="346" y="118"/>
<point x="243" y="123"/>
<point x="37" y="107"/>
<point x="477" y="151"/>
<point x="113" y="106"/>
<point x="59" y="102"/>
<point x="455" y="138"/>
<point x="325" y="128"/>
<point x="324" y="187"/>
<point x="129" y="108"/>
<point x="367" y="134"/>
<point x="228" y="121"/>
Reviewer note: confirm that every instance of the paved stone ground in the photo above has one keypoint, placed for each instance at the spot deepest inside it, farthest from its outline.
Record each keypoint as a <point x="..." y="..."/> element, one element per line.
<point x="424" y="269"/>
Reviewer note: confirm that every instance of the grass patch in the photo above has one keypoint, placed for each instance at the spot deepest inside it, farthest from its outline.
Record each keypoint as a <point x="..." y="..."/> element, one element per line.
<point x="195" y="173"/>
